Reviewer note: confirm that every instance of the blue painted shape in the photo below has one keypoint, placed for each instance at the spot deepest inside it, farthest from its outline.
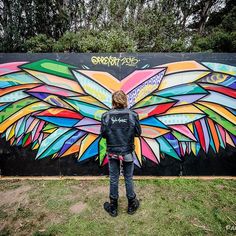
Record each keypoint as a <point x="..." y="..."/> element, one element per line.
<point x="152" y="121"/>
<point x="57" y="144"/>
<point x="60" y="121"/>
<point x="91" y="151"/>
<point x="4" y="106"/>
<point x="166" y="148"/>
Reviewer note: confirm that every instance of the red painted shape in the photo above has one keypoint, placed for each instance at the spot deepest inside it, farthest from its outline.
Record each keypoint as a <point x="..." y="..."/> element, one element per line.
<point x="200" y="134"/>
<point x="220" y="89"/>
<point x="28" y="141"/>
<point x="161" y="108"/>
<point x="60" y="112"/>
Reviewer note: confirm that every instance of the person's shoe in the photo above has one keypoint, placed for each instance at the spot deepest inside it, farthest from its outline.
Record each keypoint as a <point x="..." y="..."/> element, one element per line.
<point x="133" y="205"/>
<point x="111" y="207"/>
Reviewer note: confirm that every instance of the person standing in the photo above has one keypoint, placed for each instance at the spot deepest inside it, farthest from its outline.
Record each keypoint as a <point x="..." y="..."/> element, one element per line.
<point x="119" y="127"/>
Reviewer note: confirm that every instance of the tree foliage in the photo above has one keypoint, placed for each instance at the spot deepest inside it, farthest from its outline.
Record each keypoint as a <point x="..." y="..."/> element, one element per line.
<point x="117" y="26"/>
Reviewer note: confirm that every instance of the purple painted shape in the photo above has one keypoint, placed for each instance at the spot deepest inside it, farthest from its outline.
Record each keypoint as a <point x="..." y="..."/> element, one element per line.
<point x="41" y="96"/>
<point x="71" y="141"/>
<point x="187" y="98"/>
<point x="173" y="142"/>
<point x="87" y="121"/>
<point x="233" y="138"/>
<point x="28" y="122"/>
<point x="206" y="134"/>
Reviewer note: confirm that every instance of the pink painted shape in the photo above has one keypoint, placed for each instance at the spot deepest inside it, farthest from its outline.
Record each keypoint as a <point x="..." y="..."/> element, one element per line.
<point x="222" y="133"/>
<point x="7" y="68"/>
<point x="95" y="129"/>
<point x="138" y="77"/>
<point x="53" y="90"/>
<point x="87" y="121"/>
<point x="147" y="151"/>
<point x="183" y="130"/>
<point x="38" y="130"/>
<point x="105" y="161"/>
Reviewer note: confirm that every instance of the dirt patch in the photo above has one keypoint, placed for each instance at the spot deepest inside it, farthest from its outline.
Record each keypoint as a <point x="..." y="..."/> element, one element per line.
<point x="78" y="207"/>
<point x="18" y="195"/>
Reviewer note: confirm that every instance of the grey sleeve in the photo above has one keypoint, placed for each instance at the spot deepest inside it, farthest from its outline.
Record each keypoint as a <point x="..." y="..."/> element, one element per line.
<point x="138" y="130"/>
<point x="103" y="127"/>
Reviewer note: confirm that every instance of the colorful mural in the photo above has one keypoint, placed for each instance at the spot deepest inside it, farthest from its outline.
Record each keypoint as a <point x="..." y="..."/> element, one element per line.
<point x="56" y="108"/>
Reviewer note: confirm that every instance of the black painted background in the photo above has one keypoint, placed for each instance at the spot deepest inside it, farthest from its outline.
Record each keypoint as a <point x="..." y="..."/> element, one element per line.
<point x="16" y="161"/>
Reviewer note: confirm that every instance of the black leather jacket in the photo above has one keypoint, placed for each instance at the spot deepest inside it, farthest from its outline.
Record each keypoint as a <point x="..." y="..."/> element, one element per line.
<point x="119" y="127"/>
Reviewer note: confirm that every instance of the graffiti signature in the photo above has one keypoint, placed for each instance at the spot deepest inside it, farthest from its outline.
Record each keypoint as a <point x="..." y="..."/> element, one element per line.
<point x="114" y="61"/>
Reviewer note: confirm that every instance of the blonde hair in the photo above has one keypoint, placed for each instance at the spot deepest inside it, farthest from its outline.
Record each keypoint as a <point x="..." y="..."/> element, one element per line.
<point x="119" y="99"/>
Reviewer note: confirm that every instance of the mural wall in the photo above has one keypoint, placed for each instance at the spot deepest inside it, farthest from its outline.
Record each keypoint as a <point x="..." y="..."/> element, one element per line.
<point x="51" y="107"/>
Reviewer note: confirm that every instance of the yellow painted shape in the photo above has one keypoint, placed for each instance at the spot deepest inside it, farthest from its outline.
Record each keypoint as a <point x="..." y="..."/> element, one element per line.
<point x="172" y="80"/>
<point x="187" y="109"/>
<point x="90" y="100"/>
<point x="56" y="81"/>
<point x="49" y="131"/>
<point x="193" y="148"/>
<point x="23" y="112"/>
<point x="36" y="147"/>
<point x="103" y="78"/>
<point x="190" y="126"/>
<point x="138" y="150"/>
<point x="86" y="142"/>
<point x="12" y="132"/>
<point x="182" y="66"/>
<point x="220" y="110"/>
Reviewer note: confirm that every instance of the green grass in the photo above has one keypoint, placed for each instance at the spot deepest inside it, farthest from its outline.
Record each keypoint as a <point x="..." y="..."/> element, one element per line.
<point x="168" y="207"/>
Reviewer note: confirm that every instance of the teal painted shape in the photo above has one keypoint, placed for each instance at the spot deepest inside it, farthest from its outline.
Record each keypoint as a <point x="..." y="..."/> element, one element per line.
<point x="153" y="121"/>
<point x="20" y="126"/>
<point x="14" y="96"/>
<point x="166" y="148"/>
<point x="50" y="140"/>
<point x="185" y="89"/>
<point x="91" y="151"/>
<point x="218" y="67"/>
<point x="86" y="109"/>
<point x="57" y="145"/>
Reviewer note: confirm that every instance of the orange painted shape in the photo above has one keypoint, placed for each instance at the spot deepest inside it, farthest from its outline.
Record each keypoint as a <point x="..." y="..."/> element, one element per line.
<point x="153" y="132"/>
<point x="183" y="66"/>
<point x="17" y="87"/>
<point x="214" y="134"/>
<point x="103" y="78"/>
<point x="138" y="151"/>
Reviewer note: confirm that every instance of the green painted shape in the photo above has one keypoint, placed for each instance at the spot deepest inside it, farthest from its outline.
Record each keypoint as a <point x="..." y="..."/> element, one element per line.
<point x="49" y="126"/>
<point x="25" y="138"/>
<point x="181" y="90"/>
<point x="218" y="119"/>
<point x="102" y="150"/>
<point x="51" y="67"/>
<point x="166" y="148"/>
<point x="15" y="107"/>
<point x="152" y="100"/>
<point x="180" y="137"/>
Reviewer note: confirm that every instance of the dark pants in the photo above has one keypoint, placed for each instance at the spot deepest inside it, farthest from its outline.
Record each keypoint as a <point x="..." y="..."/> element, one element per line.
<point x="114" y="172"/>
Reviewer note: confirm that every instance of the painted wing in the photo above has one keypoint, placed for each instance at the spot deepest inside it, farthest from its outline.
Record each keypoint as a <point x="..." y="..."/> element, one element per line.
<point x="43" y="105"/>
<point x="192" y="109"/>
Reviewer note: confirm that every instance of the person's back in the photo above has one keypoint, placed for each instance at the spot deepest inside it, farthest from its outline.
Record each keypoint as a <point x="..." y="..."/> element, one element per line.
<point x="119" y="127"/>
